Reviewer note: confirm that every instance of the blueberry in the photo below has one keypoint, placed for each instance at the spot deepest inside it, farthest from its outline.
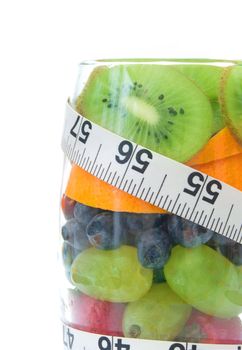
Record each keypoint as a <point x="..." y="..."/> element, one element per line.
<point x="229" y="248"/>
<point x="68" y="255"/>
<point x="154" y="248"/>
<point x="106" y="230"/>
<point x="233" y="252"/>
<point x="67" y="205"/>
<point x="218" y="241"/>
<point x="74" y="233"/>
<point x="136" y="223"/>
<point x="162" y="221"/>
<point x="130" y="239"/>
<point x="221" y="240"/>
<point x="84" y="214"/>
<point x="187" y="233"/>
<point x="158" y="276"/>
<point x="212" y="244"/>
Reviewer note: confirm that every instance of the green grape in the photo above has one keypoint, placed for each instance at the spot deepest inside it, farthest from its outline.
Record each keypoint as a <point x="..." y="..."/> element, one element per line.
<point x="205" y="279"/>
<point x="160" y="315"/>
<point x="236" y="295"/>
<point x="112" y="275"/>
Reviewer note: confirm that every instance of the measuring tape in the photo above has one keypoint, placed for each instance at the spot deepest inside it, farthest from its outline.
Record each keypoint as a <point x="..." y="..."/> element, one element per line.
<point x="74" y="339"/>
<point x="156" y="179"/>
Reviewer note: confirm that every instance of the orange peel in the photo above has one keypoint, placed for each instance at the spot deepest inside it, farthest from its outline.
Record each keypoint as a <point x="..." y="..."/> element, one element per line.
<point x="89" y="190"/>
<point x="220" y="146"/>
<point x="228" y="170"/>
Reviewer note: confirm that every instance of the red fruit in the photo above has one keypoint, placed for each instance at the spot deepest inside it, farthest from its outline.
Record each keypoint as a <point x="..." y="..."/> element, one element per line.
<point x="95" y="316"/>
<point x="202" y="328"/>
<point x="67" y="205"/>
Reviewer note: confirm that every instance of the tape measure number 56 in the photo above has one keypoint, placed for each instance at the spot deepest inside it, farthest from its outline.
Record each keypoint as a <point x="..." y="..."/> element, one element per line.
<point x="152" y="177"/>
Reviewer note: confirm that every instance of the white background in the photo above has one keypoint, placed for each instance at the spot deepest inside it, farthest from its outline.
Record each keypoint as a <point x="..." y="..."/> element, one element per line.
<point x="41" y="43"/>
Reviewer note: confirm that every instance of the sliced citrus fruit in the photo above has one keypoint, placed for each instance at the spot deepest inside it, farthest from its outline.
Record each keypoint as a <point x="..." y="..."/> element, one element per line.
<point x="89" y="190"/>
<point x="228" y="170"/>
<point x="220" y="146"/>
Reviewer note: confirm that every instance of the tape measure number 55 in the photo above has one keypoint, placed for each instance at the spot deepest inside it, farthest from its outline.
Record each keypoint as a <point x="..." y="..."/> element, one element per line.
<point x="152" y="177"/>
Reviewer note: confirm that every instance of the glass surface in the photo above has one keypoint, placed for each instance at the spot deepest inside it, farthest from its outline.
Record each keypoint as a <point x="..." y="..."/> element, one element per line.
<point x="129" y="268"/>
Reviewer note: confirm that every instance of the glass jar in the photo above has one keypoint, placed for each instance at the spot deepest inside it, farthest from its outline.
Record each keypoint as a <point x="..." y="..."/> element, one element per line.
<point x="137" y="273"/>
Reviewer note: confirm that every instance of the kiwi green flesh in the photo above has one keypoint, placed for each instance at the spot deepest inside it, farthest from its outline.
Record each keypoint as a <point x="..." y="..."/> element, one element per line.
<point x="152" y="105"/>
<point x="231" y="98"/>
<point x="208" y="79"/>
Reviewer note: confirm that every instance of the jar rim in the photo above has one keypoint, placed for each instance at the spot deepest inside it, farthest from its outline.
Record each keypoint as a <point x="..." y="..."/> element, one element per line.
<point x="115" y="61"/>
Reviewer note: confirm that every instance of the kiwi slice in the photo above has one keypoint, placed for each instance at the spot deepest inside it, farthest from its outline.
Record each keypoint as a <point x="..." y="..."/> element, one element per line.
<point x="153" y="105"/>
<point x="231" y="99"/>
<point x="208" y="79"/>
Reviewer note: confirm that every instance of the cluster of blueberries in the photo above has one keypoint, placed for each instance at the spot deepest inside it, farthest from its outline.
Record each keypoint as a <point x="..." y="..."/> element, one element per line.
<point x="154" y="235"/>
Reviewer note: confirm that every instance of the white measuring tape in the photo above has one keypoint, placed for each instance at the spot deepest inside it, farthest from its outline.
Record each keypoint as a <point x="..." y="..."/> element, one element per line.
<point x="156" y="179"/>
<point x="74" y="339"/>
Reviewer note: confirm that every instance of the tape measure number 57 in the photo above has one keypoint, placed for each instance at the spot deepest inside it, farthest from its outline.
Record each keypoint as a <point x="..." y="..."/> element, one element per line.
<point x="152" y="177"/>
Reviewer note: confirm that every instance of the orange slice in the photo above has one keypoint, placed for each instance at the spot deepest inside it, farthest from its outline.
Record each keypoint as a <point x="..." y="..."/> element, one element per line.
<point x="228" y="170"/>
<point x="89" y="190"/>
<point x="220" y="146"/>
